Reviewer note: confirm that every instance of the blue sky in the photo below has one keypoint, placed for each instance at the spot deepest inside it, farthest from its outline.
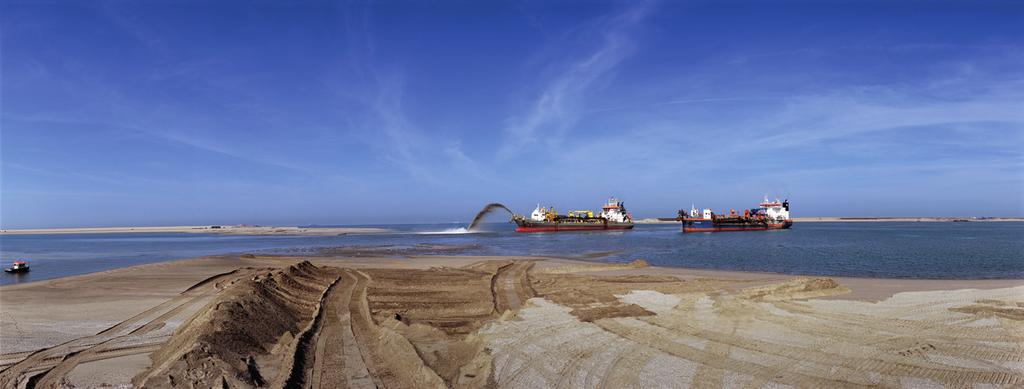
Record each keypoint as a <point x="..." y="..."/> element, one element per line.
<point x="190" y="112"/>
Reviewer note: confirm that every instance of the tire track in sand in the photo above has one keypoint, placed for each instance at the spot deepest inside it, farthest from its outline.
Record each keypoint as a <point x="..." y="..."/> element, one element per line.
<point x="509" y="283"/>
<point x="390" y="359"/>
<point x="338" y="360"/>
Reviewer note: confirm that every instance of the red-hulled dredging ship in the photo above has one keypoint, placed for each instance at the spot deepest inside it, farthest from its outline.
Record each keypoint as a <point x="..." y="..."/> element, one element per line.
<point x="771" y="215"/>
<point x="613" y="216"/>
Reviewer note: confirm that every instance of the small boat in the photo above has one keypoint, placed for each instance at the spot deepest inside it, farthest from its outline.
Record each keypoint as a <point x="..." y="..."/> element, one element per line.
<point x="18" y="267"/>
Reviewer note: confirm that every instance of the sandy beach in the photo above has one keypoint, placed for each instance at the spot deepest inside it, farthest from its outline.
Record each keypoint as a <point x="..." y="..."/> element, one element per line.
<point x="461" y="321"/>
<point x="218" y="229"/>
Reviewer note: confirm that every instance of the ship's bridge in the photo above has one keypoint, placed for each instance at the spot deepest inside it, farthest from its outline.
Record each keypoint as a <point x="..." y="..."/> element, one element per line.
<point x="776" y="210"/>
<point x="615" y="211"/>
<point x="613" y="203"/>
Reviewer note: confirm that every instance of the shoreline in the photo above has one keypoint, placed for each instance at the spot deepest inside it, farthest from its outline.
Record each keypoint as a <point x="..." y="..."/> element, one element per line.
<point x="210" y="229"/>
<point x="880" y="286"/>
<point x="682" y="272"/>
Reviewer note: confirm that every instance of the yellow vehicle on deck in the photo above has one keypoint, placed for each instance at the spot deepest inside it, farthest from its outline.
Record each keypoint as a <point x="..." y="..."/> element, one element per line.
<point x="581" y="214"/>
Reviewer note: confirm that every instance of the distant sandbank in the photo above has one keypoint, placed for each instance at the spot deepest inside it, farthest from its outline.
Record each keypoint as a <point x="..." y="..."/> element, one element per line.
<point x="211" y="229"/>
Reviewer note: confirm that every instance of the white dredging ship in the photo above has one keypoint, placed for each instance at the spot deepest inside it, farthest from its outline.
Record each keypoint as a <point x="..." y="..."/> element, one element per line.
<point x="613" y="216"/>
<point x="771" y="215"/>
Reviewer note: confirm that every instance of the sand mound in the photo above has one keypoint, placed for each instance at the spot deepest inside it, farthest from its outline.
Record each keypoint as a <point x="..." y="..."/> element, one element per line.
<point x="230" y="341"/>
<point x="607" y="312"/>
<point x="799" y="288"/>
<point x="639" y="263"/>
<point x="990" y="307"/>
<point x="324" y="327"/>
<point x="435" y="310"/>
<point x="651" y="300"/>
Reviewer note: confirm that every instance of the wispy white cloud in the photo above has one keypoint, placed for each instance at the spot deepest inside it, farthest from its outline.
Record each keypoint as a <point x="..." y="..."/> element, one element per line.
<point x="64" y="174"/>
<point x="847" y="127"/>
<point x="471" y="168"/>
<point x="217" y="147"/>
<point x="402" y="137"/>
<point x="379" y="91"/>
<point x="133" y="122"/>
<point x="812" y="119"/>
<point x="683" y="101"/>
<point x="558" y="104"/>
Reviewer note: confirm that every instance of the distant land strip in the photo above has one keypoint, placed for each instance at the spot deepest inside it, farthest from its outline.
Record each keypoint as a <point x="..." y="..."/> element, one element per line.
<point x="209" y="229"/>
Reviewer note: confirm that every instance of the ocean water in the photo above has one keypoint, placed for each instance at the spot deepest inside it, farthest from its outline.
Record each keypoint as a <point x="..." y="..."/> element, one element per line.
<point x="973" y="250"/>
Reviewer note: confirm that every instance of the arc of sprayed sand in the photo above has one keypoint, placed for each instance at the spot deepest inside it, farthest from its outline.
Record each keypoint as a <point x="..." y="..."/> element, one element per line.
<point x="483" y="212"/>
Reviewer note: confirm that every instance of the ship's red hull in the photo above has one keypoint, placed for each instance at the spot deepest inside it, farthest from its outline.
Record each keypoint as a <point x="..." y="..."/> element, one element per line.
<point x="707" y="226"/>
<point x="572" y="227"/>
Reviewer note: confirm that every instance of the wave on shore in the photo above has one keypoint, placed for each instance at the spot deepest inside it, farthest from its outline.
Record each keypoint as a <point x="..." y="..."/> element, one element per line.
<point x="448" y="231"/>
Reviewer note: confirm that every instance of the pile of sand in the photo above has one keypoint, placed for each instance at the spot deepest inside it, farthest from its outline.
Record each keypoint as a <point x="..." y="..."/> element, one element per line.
<point x="997" y="308"/>
<point x="235" y="338"/>
<point x="436" y="310"/>
<point x="798" y="288"/>
<point x="294" y="327"/>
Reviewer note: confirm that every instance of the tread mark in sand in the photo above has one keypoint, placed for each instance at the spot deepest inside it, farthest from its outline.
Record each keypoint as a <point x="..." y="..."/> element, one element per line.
<point x="338" y="361"/>
<point x="303" y="365"/>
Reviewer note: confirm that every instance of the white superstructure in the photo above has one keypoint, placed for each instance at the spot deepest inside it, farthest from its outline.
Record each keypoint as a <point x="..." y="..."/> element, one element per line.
<point x="540" y="213"/>
<point x="775" y="210"/>
<point x="694" y="213"/>
<point x="615" y="211"/>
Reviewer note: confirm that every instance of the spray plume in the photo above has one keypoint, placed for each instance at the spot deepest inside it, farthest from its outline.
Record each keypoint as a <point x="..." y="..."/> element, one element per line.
<point x="483" y="212"/>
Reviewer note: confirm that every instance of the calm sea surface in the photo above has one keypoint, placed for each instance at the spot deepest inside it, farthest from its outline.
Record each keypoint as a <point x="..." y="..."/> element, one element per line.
<point x="866" y="249"/>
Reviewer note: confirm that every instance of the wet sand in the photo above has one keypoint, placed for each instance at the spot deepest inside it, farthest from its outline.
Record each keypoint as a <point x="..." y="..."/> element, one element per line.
<point x="462" y="321"/>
